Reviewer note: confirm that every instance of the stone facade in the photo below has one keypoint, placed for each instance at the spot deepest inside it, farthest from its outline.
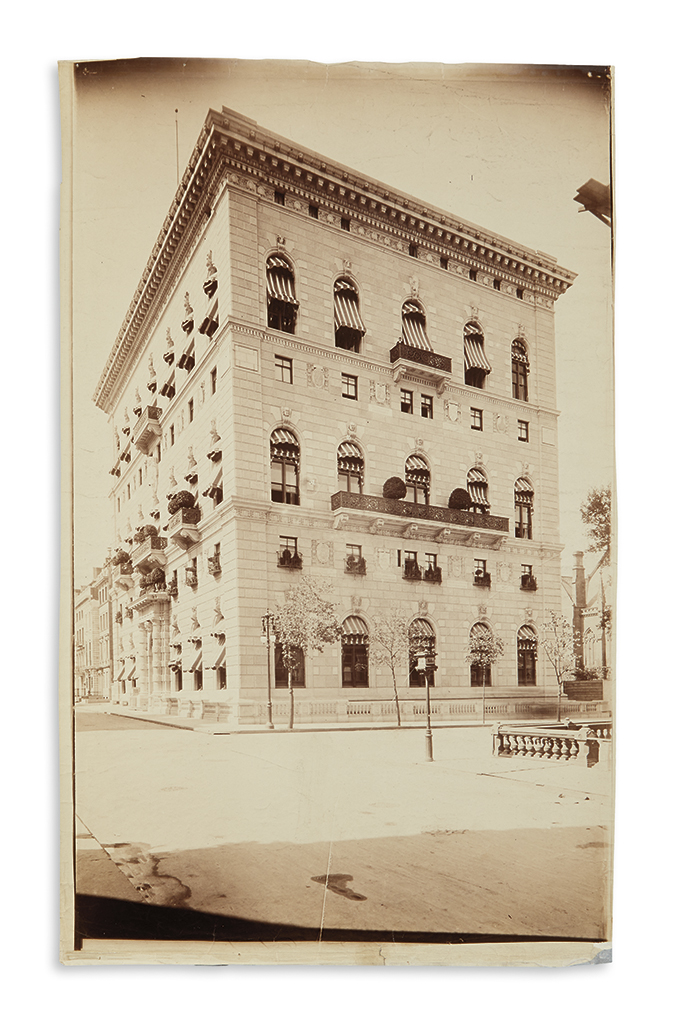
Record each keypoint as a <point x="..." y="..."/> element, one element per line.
<point x="197" y="383"/>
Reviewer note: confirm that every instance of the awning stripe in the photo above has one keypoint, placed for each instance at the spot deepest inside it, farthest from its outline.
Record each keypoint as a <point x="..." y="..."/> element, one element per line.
<point x="347" y="450"/>
<point x="527" y="633"/>
<point x="131" y="670"/>
<point x="480" y="629"/>
<point x="280" y="286"/>
<point x="416" y="462"/>
<point x="411" y="307"/>
<point x="414" y="332"/>
<point x="346" y="312"/>
<point x="472" y="328"/>
<point x="421" y="628"/>
<point x="354" y="626"/>
<point x="344" y="286"/>
<point x="474" y="356"/>
<point x="476" y="476"/>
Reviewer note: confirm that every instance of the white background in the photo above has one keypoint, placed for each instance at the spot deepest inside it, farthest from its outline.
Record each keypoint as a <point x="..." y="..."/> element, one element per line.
<point x="36" y="986"/>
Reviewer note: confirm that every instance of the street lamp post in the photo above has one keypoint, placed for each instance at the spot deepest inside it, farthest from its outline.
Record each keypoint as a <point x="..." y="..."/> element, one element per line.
<point x="267" y="637"/>
<point x="422" y="666"/>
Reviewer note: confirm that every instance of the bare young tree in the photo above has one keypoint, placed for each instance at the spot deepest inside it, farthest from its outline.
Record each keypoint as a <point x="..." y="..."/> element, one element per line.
<point x="596" y="515"/>
<point x="558" y="643"/>
<point x="485" y="647"/>
<point x="390" y="646"/>
<point x="306" y="621"/>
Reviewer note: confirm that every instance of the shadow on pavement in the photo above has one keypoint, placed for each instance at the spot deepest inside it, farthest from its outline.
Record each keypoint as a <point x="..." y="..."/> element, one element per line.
<point x="99" y="917"/>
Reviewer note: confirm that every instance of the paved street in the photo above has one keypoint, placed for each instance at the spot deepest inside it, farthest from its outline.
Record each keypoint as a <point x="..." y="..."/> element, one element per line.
<point x="341" y="832"/>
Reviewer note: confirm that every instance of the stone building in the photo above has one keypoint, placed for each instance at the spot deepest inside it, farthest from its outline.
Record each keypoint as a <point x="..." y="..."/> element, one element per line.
<point x="93" y="638"/>
<point x="301" y="335"/>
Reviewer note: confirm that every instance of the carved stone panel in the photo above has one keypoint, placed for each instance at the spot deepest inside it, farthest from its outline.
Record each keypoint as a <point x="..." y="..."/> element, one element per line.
<point x="383" y="558"/>
<point x="500" y="422"/>
<point x="453" y="411"/>
<point x="322" y="552"/>
<point x="317" y="376"/>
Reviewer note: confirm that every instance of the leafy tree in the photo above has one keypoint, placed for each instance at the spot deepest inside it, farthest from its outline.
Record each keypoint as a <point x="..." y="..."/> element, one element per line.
<point x="485" y="647"/>
<point x="390" y="646"/>
<point x="307" y="621"/>
<point x="558" y="643"/>
<point x="596" y="515"/>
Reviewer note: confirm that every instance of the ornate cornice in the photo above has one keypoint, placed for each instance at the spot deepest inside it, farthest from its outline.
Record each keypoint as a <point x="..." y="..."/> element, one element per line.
<point x="229" y="143"/>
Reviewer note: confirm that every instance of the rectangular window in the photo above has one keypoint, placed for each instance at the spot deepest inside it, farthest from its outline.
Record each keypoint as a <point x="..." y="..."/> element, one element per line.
<point x="444" y="262"/>
<point x="526" y="570"/>
<point x="314" y="212"/>
<point x="214" y="379"/>
<point x="128" y="492"/>
<point x="479" y="566"/>
<point x="427" y="407"/>
<point x="191" y="410"/>
<point x="283" y="369"/>
<point x="221" y="677"/>
<point x="172" y="434"/>
<point x="349" y="386"/>
<point x="519" y="293"/>
<point x="140" y="478"/>
<point x="406" y="400"/>
<point x="497" y="284"/>
<point x="119" y="505"/>
<point x="410" y="556"/>
<point x="523" y="430"/>
<point x="476" y="419"/>
<point x="431" y="560"/>
<point x="289" y="544"/>
<point x="473" y="276"/>
<point x="158" y="450"/>
<point x="280" y="198"/>
<point x="412" y="250"/>
<point x="345" y="223"/>
<point x="353" y="550"/>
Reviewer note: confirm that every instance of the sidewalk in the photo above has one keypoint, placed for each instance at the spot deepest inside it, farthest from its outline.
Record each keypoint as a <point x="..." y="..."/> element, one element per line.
<point x="224" y="729"/>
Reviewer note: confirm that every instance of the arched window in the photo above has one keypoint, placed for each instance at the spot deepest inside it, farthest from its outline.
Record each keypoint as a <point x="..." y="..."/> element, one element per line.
<point x="349" y="327"/>
<point x="477" y="486"/>
<point x="417" y="480"/>
<point x="422" y="652"/>
<point x="297" y="657"/>
<point x="282" y="305"/>
<point x="520" y="367"/>
<point x="354" y="652"/>
<point x="527" y="656"/>
<point x="350" y="467"/>
<point x="285" y="463"/>
<point x="414" y="324"/>
<point x="523" y="497"/>
<point x="481" y="675"/>
<point x="476" y="366"/>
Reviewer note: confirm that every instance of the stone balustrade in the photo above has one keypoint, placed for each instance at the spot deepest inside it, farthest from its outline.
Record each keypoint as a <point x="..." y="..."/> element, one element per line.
<point x="587" y="744"/>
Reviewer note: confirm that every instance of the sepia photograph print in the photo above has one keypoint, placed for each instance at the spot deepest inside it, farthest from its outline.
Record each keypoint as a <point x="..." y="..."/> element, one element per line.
<point x="338" y="469"/>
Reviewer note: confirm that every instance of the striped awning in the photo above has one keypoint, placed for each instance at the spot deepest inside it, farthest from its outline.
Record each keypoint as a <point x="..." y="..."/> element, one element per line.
<point x="416" y="462"/>
<point x="414" y="327"/>
<point x="283" y="437"/>
<point x="280" y="280"/>
<point x="527" y="638"/>
<point x="474" y="356"/>
<point x="476" y="476"/>
<point x="524" y="491"/>
<point x="479" y="629"/>
<point x="472" y="328"/>
<point x="346" y="308"/>
<point x="420" y="628"/>
<point x="354" y="630"/>
<point x="196" y="662"/>
<point x="120" y="674"/>
<point x="130" y="670"/>
<point x="350" y="458"/>
<point x="519" y="352"/>
<point x="478" y="494"/>
<point x="220" y="660"/>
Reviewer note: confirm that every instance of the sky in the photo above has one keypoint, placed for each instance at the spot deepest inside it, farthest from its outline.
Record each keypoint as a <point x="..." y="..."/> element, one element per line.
<point x="504" y="147"/>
